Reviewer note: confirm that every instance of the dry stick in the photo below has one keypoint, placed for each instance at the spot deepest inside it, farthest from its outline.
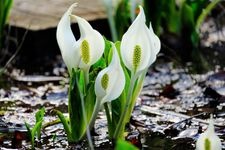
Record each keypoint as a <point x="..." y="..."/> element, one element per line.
<point x="17" y="51"/>
<point x="54" y="122"/>
<point x="7" y="45"/>
<point x="150" y="110"/>
<point x="191" y="117"/>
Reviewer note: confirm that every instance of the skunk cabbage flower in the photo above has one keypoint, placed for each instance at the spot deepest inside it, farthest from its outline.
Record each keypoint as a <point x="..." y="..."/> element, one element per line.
<point x="110" y="81"/>
<point x="209" y="140"/>
<point x="84" y="52"/>
<point x="139" y="45"/>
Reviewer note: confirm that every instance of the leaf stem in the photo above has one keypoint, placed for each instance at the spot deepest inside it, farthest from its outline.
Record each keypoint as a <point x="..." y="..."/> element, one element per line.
<point x="86" y="75"/>
<point x="109" y="119"/>
<point x="136" y="93"/>
<point x="95" y="113"/>
<point x="65" y="125"/>
<point x="205" y="12"/>
<point x="122" y="120"/>
<point x="84" y="113"/>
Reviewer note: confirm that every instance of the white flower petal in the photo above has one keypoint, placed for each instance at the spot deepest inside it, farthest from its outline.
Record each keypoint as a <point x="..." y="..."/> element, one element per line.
<point x="117" y="78"/>
<point x="99" y="90"/>
<point x="115" y="82"/>
<point x="156" y="44"/>
<point x="137" y="34"/>
<point x="209" y="136"/>
<point x="67" y="41"/>
<point x="84" y="26"/>
<point x="156" y="41"/>
<point x="94" y="39"/>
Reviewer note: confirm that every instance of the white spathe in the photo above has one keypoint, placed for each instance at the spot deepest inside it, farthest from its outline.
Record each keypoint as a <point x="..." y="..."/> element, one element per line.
<point x="80" y="53"/>
<point x="156" y="45"/>
<point x="66" y="40"/>
<point x="110" y="82"/>
<point x="95" y="40"/>
<point x="139" y="45"/>
<point x="209" y="140"/>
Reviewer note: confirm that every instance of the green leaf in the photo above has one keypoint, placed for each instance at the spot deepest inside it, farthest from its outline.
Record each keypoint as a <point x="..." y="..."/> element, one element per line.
<point x="93" y="74"/>
<point x="99" y="64"/>
<point x="7" y="6"/>
<point x="205" y="12"/>
<point x="122" y="17"/>
<point x="39" y="118"/>
<point x="74" y="106"/>
<point x="81" y="81"/>
<point x="77" y="122"/>
<point x="154" y="12"/>
<point x="28" y="130"/>
<point x="188" y="26"/>
<point x="197" y="6"/>
<point x="124" y="145"/>
<point x="36" y="127"/>
<point x="65" y="124"/>
<point x="107" y="51"/>
<point x="32" y="132"/>
<point x="118" y="105"/>
<point x="187" y="16"/>
<point x="110" y="56"/>
<point x="90" y="101"/>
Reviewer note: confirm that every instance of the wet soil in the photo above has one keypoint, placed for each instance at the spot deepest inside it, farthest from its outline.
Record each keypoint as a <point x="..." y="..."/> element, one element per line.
<point x="170" y="112"/>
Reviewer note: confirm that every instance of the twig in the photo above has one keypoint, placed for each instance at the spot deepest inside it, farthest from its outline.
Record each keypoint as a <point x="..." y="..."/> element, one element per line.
<point x="150" y="110"/>
<point x="191" y="117"/>
<point x="17" y="51"/>
<point x="54" y="122"/>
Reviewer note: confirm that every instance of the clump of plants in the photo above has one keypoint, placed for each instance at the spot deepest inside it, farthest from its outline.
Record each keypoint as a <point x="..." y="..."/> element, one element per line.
<point x="180" y="20"/>
<point x="104" y="74"/>
<point x="107" y="75"/>
<point x="36" y="130"/>
<point x="118" y="10"/>
<point x="177" y="22"/>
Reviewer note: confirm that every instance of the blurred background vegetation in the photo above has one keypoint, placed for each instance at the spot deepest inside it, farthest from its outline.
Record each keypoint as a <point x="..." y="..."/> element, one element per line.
<point x="177" y="22"/>
<point x="5" y="6"/>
